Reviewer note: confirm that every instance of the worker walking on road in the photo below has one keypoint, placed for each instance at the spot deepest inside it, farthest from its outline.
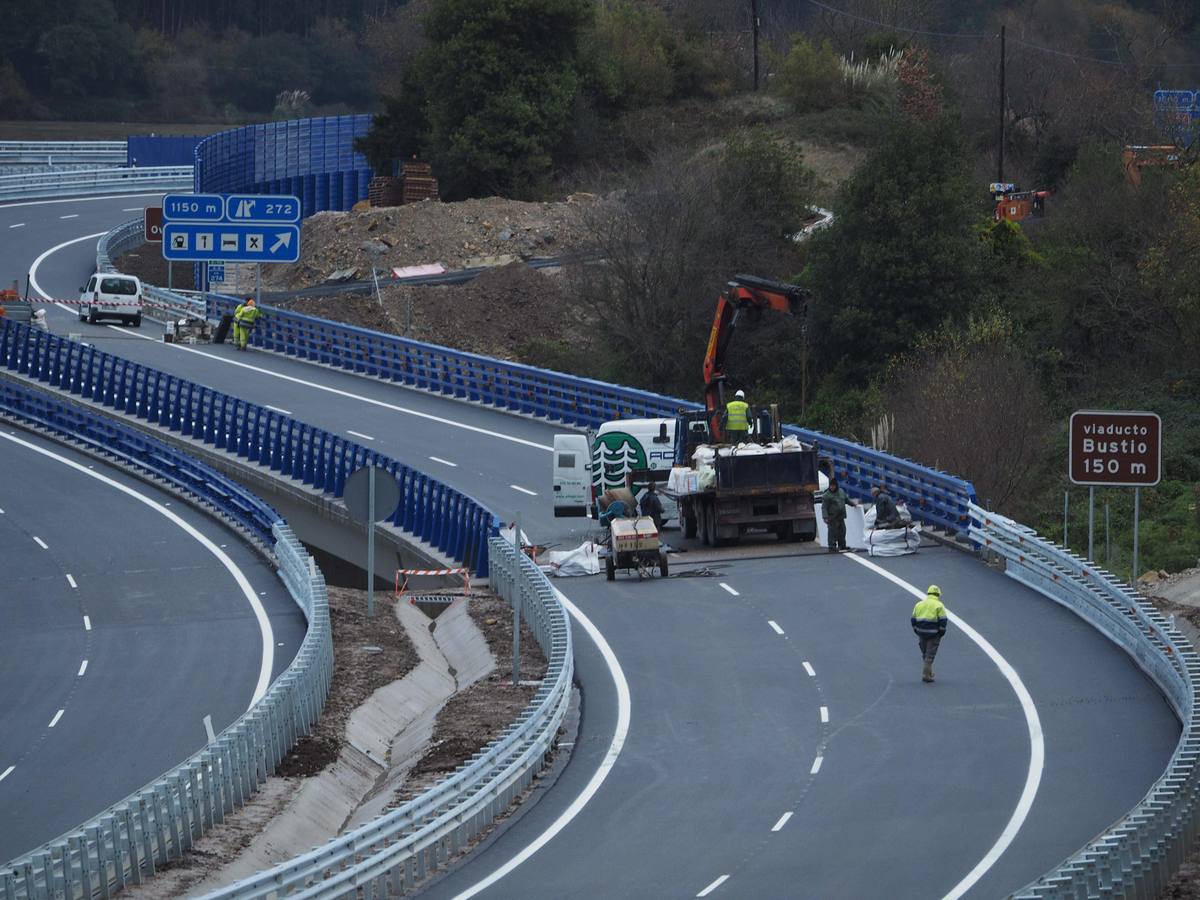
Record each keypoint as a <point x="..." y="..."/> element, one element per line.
<point x="244" y="319"/>
<point x="737" y="419"/>
<point x="833" y="511"/>
<point x="929" y="624"/>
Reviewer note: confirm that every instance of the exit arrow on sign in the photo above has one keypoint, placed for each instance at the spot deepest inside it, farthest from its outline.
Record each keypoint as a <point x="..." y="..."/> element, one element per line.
<point x="284" y="239"/>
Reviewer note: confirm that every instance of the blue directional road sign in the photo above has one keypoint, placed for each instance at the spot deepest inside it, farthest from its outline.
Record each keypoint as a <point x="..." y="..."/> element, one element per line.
<point x="193" y="208"/>
<point x="231" y="242"/>
<point x="262" y="208"/>
<point x="216" y="271"/>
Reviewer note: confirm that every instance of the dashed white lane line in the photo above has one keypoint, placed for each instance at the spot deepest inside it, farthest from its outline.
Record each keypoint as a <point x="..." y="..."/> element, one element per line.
<point x="444" y="462"/>
<point x="71" y="581"/>
<point x="71" y="216"/>
<point x="57" y="716"/>
<point x="18" y="225"/>
<point x="6" y="772"/>
<point x="783" y="820"/>
<point x="37" y="540"/>
<point x="816" y="766"/>
<point x="82" y="669"/>
<point x="1033" y="723"/>
<point x="134" y="209"/>
<point x="809" y="669"/>
<point x="517" y="487"/>
<point x="87" y="624"/>
<point x="729" y="589"/>
<point x="775" y="626"/>
<point x="824" y="714"/>
<point x="365" y="437"/>
<point x="208" y="729"/>
<point x="286" y="412"/>
<point x="712" y="887"/>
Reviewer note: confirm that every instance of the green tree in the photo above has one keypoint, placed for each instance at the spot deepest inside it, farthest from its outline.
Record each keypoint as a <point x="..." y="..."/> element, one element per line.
<point x="809" y="76"/>
<point x="91" y="55"/>
<point x="903" y="254"/>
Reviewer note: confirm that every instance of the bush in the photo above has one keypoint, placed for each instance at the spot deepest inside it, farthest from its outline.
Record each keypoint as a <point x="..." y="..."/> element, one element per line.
<point x="809" y="76"/>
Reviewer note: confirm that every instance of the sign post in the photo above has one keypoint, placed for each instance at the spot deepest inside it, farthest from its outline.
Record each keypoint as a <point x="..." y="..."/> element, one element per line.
<point x="371" y="494"/>
<point x="1115" y="449"/>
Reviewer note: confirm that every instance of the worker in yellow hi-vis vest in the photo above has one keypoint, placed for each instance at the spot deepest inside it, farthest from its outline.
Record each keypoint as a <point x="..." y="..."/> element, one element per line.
<point x="929" y="625"/>
<point x="737" y="419"/>
<point x="244" y="319"/>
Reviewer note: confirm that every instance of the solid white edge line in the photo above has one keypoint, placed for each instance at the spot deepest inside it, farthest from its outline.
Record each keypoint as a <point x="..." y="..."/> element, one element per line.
<point x="33" y="282"/>
<point x="260" y="614"/>
<point x="809" y="669"/>
<point x="824" y="714"/>
<point x="82" y="669"/>
<point x="712" y="887"/>
<point x="774" y="626"/>
<point x="1037" y="746"/>
<point x="517" y="487"/>
<point x="365" y="437"/>
<point x="71" y="581"/>
<point x="783" y="820"/>
<point x="37" y="540"/>
<point x="816" y="766"/>
<point x="6" y="772"/>
<point x="444" y="462"/>
<point x="729" y="589"/>
<point x="286" y="412"/>
<point x="621" y="731"/>
<point x="58" y="715"/>
<point x="87" y="623"/>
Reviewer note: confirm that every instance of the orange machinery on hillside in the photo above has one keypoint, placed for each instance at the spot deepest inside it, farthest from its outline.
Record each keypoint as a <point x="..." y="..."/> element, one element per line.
<point x="1136" y="157"/>
<point x="1015" y="205"/>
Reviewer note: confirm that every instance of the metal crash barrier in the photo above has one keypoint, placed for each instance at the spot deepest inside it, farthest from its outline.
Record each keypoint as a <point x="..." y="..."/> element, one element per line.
<point x="84" y="182"/>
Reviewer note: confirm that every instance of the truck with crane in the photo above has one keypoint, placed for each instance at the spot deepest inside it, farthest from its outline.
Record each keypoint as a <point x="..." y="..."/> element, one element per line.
<point x="721" y="491"/>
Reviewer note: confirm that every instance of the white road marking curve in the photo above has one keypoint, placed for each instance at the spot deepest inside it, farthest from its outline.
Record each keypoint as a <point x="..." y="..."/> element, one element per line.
<point x="620" y="733"/>
<point x="260" y="614"/>
<point x="1037" y="746"/>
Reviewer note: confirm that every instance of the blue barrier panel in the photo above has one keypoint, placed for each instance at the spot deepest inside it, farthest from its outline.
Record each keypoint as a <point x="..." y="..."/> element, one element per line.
<point x="933" y="497"/>
<point x="297" y="450"/>
<point x="161" y="150"/>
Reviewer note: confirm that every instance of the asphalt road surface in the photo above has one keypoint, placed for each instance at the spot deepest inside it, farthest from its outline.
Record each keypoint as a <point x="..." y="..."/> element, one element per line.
<point x="763" y="732"/>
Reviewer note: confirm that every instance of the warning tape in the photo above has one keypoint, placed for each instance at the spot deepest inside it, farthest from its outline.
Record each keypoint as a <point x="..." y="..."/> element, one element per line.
<point x="101" y="306"/>
<point x="402" y="585"/>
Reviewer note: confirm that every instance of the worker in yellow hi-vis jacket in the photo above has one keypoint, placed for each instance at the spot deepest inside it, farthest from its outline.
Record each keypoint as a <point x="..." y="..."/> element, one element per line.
<point x="244" y="319"/>
<point x="929" y="624"/>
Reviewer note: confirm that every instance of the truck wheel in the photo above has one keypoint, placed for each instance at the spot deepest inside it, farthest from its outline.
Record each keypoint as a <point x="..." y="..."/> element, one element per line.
<point x="784" y="531"/>
<point x="710" y="527"/>
<point x="805" y="534"/>
<point x="610" y="568"/>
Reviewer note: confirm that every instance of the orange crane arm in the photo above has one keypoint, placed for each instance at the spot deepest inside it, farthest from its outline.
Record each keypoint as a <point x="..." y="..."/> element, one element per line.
<point x="742" y="293"/>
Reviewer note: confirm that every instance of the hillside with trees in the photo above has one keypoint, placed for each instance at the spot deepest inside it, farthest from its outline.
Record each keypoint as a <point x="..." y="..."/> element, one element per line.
<point x="934" y="330"/>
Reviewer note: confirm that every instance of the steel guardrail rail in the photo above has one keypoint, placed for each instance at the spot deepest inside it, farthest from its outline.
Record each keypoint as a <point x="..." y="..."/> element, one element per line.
<point x="55" y="153"/>
<point x="127" y="842"/>
<point x="86" y="182"/>
<point x="1136" y="856"/>
<point x="401" y="848"/>
<point x="162" y="305"/>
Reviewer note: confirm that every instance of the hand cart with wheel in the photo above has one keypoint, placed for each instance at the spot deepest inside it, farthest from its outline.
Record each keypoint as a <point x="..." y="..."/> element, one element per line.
<point x="633" y="545"/>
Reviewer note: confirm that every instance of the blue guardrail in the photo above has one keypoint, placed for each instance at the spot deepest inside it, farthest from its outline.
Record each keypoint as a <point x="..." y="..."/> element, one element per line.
<point x="444" y="518"/>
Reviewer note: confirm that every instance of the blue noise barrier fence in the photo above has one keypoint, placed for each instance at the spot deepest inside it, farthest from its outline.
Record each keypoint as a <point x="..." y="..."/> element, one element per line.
<point x="453" y="523"/>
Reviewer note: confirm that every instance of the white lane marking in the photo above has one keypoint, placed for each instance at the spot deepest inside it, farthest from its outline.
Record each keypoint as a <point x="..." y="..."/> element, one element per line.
<point x="18" y="225"/>
<point x="260" y="614"/>
<point x="6" y="772"/>
<point x="824" y="714"/>
<point x="82" y="669"/>
<point x="134" y="209"/>
<point x="1037" y="745"/>
<point x="33" y="282"/>
<point x="208" y="729"/>
<point x="37" y="540"/>
<point x="444" y="462"/>
<point x="816" y="766"/>
<point x="78" y="200"/>
<point x="517" y="487"/>
<point x="286" y="412"/>
<point x="1" y="512"/>
<point x="71" y="581"/>
<point x="365" y="437"/>
<point x="782" y="821"/>
<point x="620" y="733"/>
<point x="87" y="624"/>
<point x="809" y="669"/>
<point x="57" y="716"/>
<point x="729" y="589"/>
<point x="775" y="626"/>
<point x="712" y="887"/>
<point x="71" y="216"/>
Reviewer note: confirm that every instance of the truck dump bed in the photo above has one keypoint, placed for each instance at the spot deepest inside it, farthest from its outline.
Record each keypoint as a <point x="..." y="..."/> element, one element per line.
<point x="746" y="471"/>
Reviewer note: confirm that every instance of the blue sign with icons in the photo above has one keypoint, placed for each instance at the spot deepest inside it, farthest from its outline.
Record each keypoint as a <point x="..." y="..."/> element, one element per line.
<point x="231" y="242"/>
<point x="262" y="208"/>
<point x="193" y="208"/>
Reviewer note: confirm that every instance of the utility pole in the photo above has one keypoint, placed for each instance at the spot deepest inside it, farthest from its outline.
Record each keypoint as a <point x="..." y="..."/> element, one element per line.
<point x="1000" y="166"/>
<point x="754" y="28"/>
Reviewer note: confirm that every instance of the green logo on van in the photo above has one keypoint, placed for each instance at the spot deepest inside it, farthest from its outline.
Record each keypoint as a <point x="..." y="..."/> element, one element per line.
<point x="614" y="454"/>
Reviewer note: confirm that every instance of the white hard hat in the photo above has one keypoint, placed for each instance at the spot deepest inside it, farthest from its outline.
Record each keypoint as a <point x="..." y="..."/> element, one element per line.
<point x="741" y="394"/>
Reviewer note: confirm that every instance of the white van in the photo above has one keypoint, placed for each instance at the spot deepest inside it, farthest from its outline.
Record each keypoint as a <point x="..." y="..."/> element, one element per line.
<point x="585" y="466"/>
<point x="110" y="295"/>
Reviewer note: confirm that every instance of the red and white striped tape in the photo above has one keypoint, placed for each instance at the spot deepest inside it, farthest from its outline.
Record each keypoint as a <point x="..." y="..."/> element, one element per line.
<point x="401" y="586"/>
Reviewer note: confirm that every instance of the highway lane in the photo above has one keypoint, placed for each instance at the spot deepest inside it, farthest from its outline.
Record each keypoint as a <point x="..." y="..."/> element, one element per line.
<point x="684" y="702"/>
<point x="119" y="634"/>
